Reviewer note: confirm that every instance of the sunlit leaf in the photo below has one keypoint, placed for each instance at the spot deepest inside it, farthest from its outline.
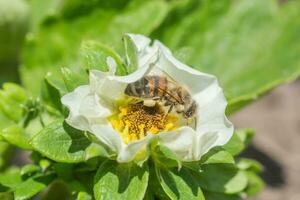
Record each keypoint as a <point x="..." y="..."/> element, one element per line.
<point x="179" y="184"/>
<point x="222" y="178"/>
<point x="121" y="181"/>
<point x="61" y="143"/>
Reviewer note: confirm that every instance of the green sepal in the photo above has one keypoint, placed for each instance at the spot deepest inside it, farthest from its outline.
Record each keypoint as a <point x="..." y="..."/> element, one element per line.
<point x="94" y="56"/>
<point x="131" y="53"/>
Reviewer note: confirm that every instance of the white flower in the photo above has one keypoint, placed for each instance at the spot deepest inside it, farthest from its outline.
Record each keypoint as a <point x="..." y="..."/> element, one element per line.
<point x="92" y="107"/>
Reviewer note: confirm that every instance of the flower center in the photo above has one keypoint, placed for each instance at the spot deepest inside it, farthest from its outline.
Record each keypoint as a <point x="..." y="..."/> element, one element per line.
<point x="135" y="121"/>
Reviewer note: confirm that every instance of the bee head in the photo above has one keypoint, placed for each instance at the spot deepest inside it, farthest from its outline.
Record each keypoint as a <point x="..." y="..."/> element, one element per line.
<point x="190" y="111"/>
<point x="128" y="90"/>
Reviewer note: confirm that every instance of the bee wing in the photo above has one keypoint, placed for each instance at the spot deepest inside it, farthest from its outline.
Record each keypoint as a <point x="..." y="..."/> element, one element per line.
<point x="170" y="94"/>
<point x="169" y="78"/>
<point x="166" y="90"/>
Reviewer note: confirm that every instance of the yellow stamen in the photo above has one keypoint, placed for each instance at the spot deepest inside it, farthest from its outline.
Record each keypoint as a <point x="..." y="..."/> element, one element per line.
<point x="169" y="126"/>
<point x="123" y="111"/>
<point x="134" y="121"/>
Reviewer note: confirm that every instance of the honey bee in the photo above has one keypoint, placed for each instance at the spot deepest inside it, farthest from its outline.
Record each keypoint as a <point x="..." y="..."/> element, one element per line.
<point x="153" y="88"/>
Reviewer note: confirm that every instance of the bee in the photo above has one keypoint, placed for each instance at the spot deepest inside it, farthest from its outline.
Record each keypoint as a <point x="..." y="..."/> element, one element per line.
<point x="153" y="88"/>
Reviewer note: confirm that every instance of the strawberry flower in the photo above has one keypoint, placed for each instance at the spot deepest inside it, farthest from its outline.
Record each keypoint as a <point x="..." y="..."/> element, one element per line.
<point x="127" y="124"/>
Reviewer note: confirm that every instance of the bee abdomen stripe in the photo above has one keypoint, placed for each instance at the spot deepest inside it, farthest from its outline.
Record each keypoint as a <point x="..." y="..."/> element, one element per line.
<point x="162" y="84"/>
<point x="156" y="86"/>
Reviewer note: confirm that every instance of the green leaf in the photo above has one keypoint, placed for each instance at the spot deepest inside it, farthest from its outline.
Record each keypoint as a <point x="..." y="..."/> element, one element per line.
<point x="16" y="110"/>
<point x="222" y="40"/>
<point x="84" y="196"/>
<point x="249" y="165"/>
<point x="239" y="141"/>
<point x="10" y="178"/>
<point x="217" y="155"/>
<point x="28" y="189"/>
<point x="179" y="184"/>
<point x="57" y="190"/>
<point x="5" y="154"/>
<point x="220" y="196"/>
<point x="255" y="184"/>
<point x="95" y="150"/>
<point x="61" y="143"/>
<point x="194" y="166"/>
<point x="4" y="122"/>
<point x="6" y="196"/>
<point x="121" y="181"/>
<point x="63" y="170"/>
<point x="17" y="136"/>
<point x="54" y="88"/>
<point x="29" y="170"/>
<point x="44" y="164"/>
<point x="33" y="120"/>
<point x="22" y="188"/>
<point x="12" y="97"/>
<point x="222" y="178"/>
<point x="73" y="79"/>
<point x="149" y="194"/>
<point x="94" y="56"/>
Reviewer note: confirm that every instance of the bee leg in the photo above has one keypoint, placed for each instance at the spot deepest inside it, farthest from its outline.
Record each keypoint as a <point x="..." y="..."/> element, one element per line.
<point x="167" y="103"/>
<point x="169" y="110"/>
<point x="156" y="98"/>
<point x="179" y="108"/>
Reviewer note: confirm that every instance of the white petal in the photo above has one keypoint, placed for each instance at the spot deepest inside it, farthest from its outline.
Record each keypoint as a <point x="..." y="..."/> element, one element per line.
<point x="106" y="134"/>
<point x="84" y="107"/>
<point x="136" y="150"/>
<point x="73" y="101"/>
<point x="211" y="114"/>
<point x="203" y="143"/>
<point x="90" y="107"/>
<point x="194" y="80"/>
<point x="111" y="63"/>
<point x="112" y="87"/>
<point x="141" y="42"/>
<point x="180" y="141"/>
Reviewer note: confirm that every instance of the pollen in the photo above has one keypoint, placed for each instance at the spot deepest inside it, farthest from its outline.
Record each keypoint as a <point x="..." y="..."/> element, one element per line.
<point x="135" y="121"/>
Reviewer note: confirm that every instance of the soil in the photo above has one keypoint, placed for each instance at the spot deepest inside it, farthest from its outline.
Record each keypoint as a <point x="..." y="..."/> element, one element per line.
<point x="276" y="119"/>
